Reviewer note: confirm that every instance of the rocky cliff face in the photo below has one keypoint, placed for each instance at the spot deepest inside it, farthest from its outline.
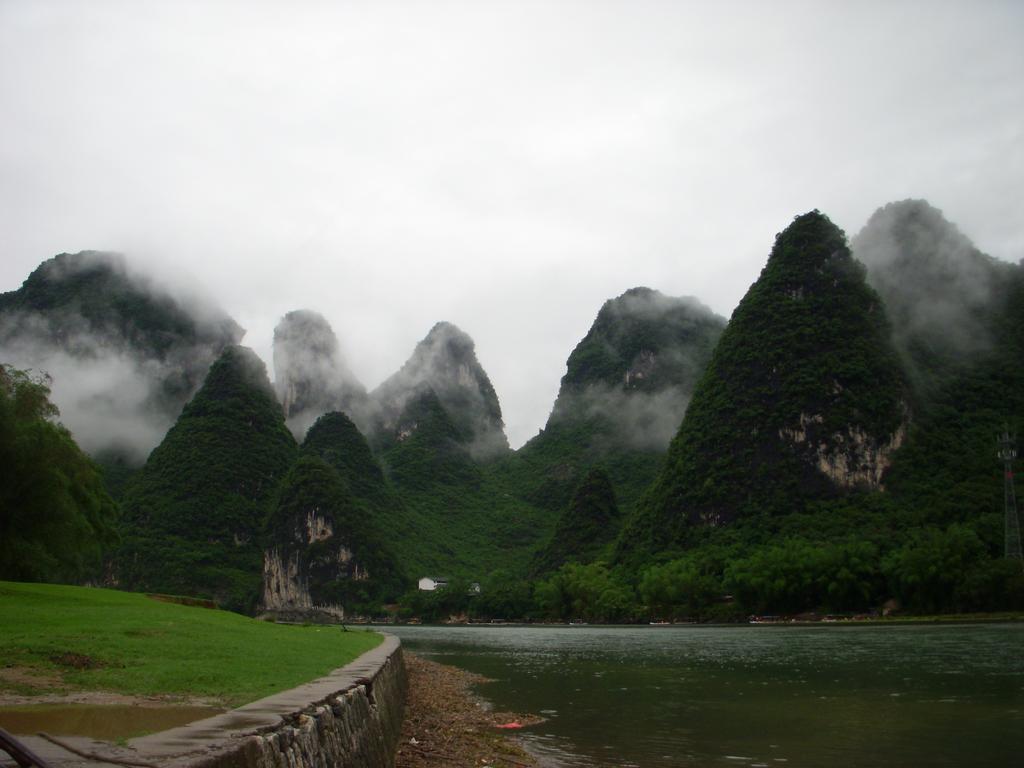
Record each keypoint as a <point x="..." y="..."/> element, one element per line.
<point x="125" y="355"/>
<point x="307" y="553"/>
<point x="804" y="397"/>
<point x="311" y="376"/>
<point x="445" y="364"/>
<point x="851" y="458"/>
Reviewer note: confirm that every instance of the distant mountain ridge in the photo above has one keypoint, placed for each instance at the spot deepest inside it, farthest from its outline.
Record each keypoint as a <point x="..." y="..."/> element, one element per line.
<point x="833" y="444"/>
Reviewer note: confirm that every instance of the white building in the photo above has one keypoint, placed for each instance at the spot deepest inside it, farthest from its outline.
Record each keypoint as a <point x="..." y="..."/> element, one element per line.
<point x="430" y="583"/>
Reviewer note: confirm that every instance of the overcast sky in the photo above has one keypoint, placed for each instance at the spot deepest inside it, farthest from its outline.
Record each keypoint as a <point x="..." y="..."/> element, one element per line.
<point x="503" y="166"/>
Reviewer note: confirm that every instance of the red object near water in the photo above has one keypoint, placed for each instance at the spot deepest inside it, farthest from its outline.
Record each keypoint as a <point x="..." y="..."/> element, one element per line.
<point x="510" y="725"/>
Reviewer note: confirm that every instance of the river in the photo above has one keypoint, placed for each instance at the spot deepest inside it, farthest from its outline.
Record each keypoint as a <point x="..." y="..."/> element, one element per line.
<point x="821" y="695"/>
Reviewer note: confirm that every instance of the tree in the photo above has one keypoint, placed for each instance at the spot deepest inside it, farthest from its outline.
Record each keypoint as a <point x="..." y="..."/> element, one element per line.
<point x="55" y="513"/>
<point x="586" y="592"/>
<point x="679" y="588"/>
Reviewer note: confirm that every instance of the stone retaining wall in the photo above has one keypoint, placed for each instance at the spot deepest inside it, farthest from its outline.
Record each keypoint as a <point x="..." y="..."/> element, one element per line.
<point x="352" y="717"/>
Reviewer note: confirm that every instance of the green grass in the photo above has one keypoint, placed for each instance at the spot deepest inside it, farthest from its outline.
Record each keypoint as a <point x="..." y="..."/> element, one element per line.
<point x="99" y="639"/>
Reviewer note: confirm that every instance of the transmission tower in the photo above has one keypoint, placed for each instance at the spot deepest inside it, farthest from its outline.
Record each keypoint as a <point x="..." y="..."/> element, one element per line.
<point x="1008" y="452"/>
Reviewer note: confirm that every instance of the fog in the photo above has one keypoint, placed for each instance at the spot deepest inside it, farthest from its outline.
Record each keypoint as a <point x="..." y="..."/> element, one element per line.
<point x="938" y="288"/>
<point x="504" y="166"/>
<point x="119" y="387"/>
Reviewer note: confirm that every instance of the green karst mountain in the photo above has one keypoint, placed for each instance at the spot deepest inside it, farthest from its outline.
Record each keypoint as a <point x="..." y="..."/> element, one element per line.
<point x="626" y="387"/>
<point x="125" y="354"/>
<point x="803" y="399"/>
<point x="336" y="439"/>
<point x="587" y="526"/>
<point x="193" y="517"/>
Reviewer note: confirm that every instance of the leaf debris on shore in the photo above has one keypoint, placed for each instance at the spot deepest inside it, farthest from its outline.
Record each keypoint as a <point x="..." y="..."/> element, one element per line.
<point x="447" y="724"/>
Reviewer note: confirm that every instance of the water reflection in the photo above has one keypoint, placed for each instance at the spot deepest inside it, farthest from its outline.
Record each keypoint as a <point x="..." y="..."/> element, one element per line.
<point x="698" y="696"/>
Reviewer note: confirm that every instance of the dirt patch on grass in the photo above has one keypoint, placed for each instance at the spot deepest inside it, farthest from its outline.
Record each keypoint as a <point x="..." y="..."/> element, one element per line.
<point x="446" y="724"/>
<point x="73" y="660"/>
<point x="25" y="682"/>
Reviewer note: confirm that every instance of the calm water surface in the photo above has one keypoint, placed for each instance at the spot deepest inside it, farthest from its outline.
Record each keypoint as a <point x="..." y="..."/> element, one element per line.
<point x="932" y="695"/>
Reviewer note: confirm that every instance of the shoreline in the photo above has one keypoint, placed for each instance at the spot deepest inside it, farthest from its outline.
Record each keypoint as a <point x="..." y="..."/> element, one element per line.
<point x="448" y="724"/>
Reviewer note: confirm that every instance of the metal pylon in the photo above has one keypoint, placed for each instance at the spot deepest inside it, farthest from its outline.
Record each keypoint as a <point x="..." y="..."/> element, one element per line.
<point x="1008" y="452"/>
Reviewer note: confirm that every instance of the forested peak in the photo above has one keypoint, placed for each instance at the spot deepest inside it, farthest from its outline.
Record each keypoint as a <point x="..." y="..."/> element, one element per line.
<point x="336" y="439"/>
<point x="645" y="303"/>
<point x="635" y="332"/>
<point x="195" y="511"/>
<point x="810" y="253"/>
<point x="424" y="406"/>
<point x="804" y="396"/>
<point x="238" y="375"/>
<point x="334" y="429"/>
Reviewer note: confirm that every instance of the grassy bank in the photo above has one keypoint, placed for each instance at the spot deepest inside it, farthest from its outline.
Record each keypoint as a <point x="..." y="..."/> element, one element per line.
<point x="55" y="638"/>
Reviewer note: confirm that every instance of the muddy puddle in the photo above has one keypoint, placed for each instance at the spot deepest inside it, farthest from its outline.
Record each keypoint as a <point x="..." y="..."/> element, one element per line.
<point x="98" y="721"/>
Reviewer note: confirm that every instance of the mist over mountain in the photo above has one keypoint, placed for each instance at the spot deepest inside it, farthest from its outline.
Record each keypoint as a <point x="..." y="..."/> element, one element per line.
<point x="124" y="353"/>
<point x="824" y="455"/>
<point x="636" y="368"/>
<point x="803" y="398"/>
<point x="310" y="374"/>
<point x="627" y="385"/>
<point x="445" y="364"/>
<point x="941" y="293"/>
